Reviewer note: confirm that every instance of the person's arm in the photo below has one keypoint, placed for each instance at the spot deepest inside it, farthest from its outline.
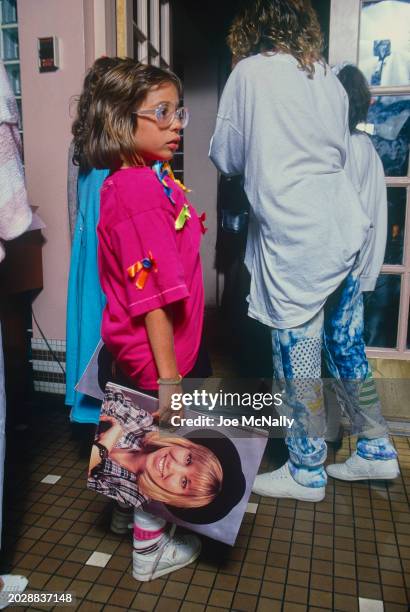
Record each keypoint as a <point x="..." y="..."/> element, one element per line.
<point x="108" y="439"/>
<point x="161" y="338"/>
<point x="227" y="147"/>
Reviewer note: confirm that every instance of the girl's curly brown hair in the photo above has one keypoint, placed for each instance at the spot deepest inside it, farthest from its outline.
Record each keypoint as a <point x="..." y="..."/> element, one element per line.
<point x="287" y="26"/>
<point x="79" y="128"/>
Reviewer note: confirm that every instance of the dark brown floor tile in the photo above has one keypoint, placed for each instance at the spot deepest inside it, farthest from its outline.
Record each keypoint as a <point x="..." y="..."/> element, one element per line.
<point x="89" y="573"/>
<point x="368" y="574"/>
<point x="370" y="590"/>
<point x="302" y="537"/>
<point x="24" y="544"/>
<point x="342" y="544"/>
<point x="273" y="590"/>
<point x="298" y="578"/>
<point x="70" y="539"/>
<point x="302" y="564"/>
<point x="69" y="569"/>
<point x="344" y="585"/>
<point x="128" y="582"/>
<point x="321" y="599"/>
<point x="248" y="585"/>
<point x="274" y="559"/>
<point x="79" y="556"/>
<point x="121" y="597"/>
<point x="261" y="531"/>
<point x="174" y="589"/>
<point x="226" y="581"/>
<point x="189" y="606"/>
<point x="301" y="550"/>
<point x="392" y="578"/>
<point x="252" y="570"/>
<point x="45" y="521"/>
<point x="244" y="603"/>
<point x="296" y="594"/>
<point x="321" y="553"/>
<point x="202" y="578"/>
<point x="320" y="582"/>
<point x="231" y="567"/>
<point x="58" y="583"/>
<point x="342" y="570"/>
<point x="117" y="563"/>
<point x="49" y="566"/>
<point x="51" y="535"/>
<point x="394" y="594"/>
<point x="183" y="575"/>
<point x="198" y="594"/>
<point x="37" y="580"/>
<point x="155" y="587"/>
<point x="345" y="603"/>
<point x="30" y="561"/>
<point x="389" y="564"/>
<point x="89" y="606"/>
<point x="391" y="607"/>
<point x="269" y="605"/>
<point x="294" y="607"/>
<point x="80" y="587"/>
<point x="220" y="598"/>
<point x="256" y="543"/>
<point x="165" y="604"/>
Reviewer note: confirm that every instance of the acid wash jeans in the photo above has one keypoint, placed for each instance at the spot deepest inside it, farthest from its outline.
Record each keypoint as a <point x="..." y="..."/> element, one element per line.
<point x="338" y="330"/>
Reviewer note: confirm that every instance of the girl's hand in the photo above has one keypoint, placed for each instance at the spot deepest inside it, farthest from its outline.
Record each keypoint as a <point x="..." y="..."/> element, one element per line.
<point x="165" y="411"/>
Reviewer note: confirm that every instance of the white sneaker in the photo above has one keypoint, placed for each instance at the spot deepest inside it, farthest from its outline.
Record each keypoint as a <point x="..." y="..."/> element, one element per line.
<point x="172" y="554"/>
<point x="357" y="468"/>
<point x="11" y="584"/>
<point x="281" y="483"/>
<point x="121" y="520"/>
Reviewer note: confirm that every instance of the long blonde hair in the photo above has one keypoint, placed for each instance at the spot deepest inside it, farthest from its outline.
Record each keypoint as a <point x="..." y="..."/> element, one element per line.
<point x="206" y="485"/>
<point x="287" y="26"/>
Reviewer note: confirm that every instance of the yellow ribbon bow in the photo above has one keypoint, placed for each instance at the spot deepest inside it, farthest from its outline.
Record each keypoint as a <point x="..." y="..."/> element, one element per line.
<point x="182" y="217"/>
<point x="141" y="269"/>
<point x="167" y="168"/>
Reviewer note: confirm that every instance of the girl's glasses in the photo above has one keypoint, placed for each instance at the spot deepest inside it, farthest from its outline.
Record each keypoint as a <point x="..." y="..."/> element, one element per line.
<point x="166" y="113"/>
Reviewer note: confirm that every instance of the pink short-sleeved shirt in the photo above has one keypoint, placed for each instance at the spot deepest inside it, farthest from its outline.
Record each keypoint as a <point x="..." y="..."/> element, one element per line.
<point x="137" y="222"/>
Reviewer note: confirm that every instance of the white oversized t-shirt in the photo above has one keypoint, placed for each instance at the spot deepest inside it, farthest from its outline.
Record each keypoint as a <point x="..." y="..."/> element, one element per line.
<point x="288" y="136"/>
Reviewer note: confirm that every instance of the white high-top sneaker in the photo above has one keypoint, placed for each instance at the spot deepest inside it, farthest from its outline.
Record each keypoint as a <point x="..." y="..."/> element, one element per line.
<point x="12" y="584"/>
<point x="169" y="554"/>
<point x="357" y="468"/>
<point x="280" y="483"/>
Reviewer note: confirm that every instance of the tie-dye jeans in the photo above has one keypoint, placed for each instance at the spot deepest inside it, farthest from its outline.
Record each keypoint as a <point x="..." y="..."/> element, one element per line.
<point x="338" y="330"/>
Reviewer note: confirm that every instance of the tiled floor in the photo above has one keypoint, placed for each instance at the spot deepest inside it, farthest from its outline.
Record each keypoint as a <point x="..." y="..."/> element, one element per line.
<point x="290" y="556"/>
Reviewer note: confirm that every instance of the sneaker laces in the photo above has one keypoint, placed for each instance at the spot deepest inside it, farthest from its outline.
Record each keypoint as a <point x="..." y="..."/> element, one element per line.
<point x="282" y="472"/>
<point x="163" y="544"/>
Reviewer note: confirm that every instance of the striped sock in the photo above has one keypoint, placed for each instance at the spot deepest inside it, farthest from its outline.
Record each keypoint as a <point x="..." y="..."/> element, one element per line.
<point x="148" y="532"/>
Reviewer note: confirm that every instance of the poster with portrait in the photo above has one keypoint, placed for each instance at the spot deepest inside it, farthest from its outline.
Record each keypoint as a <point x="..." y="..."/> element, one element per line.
<point x="198" y="475"/>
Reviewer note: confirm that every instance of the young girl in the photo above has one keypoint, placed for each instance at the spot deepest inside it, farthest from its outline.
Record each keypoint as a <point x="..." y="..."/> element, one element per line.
<point x="85" y="299"/>
<point x="149" y="262"/>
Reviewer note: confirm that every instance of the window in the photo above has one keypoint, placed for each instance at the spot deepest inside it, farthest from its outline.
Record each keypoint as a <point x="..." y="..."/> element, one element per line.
<point x="375" y="35"/>
<point x="9" y="46"/>
<point x="151" y="26"/>
<point x="384" y="58"/>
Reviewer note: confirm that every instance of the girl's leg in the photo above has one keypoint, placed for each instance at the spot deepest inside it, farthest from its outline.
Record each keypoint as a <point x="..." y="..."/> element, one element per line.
<point x="121" y="518"/>
<point x="157" y="551"/>
<point x="297" y="367"/>
<point x="347" y="362"/>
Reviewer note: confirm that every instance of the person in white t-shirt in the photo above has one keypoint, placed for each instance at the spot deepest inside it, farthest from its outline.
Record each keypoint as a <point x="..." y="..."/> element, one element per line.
<point x="282" y="123"/>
